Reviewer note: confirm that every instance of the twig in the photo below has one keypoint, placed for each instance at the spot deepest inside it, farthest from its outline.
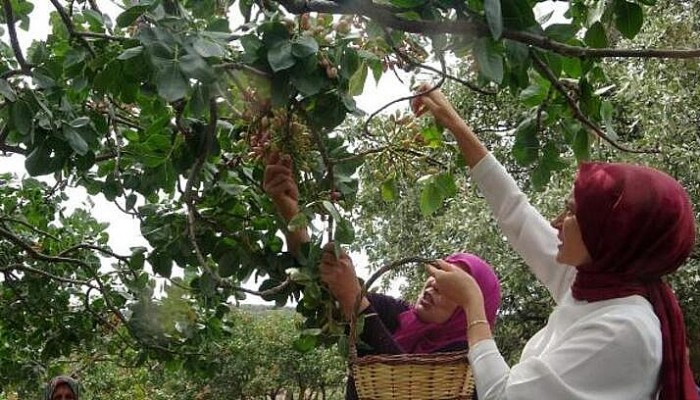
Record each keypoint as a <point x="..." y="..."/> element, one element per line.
<point x="28" y="225"/>
<point x="374" y="114"/>
<point x="71" y="28"/>
<point x="10" y="19"/>
<point x="468" y="84"/>
<point x="104" y="36"/>
<point x="20" y="267"/>
<point x="245" y="67"/>
<point x="578" y="114"/>
<point x="71" y="249"/>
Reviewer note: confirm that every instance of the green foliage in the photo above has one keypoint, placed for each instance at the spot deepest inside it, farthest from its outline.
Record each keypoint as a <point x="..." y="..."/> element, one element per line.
<point x="169" y="111"/>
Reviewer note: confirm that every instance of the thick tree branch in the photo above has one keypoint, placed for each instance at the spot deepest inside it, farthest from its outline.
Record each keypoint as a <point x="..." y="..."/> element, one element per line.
<point x="578" y="114"/>
<point x="14" y="42"/>
<point x="388" y="17"/>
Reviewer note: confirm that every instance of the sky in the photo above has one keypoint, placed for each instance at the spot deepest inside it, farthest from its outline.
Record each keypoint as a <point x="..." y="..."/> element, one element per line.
<point x="124" y="230"/>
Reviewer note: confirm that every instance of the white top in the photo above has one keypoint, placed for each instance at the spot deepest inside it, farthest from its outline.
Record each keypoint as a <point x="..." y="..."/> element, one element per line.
<point x="603" y="350"/>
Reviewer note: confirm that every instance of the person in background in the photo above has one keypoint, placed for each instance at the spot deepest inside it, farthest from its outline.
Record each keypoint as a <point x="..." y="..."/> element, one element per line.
<point x="432" y="324"/>
<point x="62" y="388"/>
<point x="617" y="331"/>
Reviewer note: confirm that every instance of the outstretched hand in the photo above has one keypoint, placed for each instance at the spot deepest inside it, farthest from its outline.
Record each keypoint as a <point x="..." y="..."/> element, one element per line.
<point x="279" y="184"/>
<point x="338" y="273"/>
<point x="455" y="284"/>
<point x="436" y="103"/>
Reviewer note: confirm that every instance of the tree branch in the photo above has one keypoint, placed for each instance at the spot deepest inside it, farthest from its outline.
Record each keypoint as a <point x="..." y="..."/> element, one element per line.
<point x="69" y="25"/>
<point x="388" y="17"/>
<point x="10" y="19"/>
<point x="578" y="114"/>
<point x="104" y="36"/>
<point x="24" y="268"/>
<point x="237" y="65"/>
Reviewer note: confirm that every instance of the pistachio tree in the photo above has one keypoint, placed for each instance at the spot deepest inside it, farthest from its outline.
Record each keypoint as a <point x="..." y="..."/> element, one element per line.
<point x="169" y="109"/>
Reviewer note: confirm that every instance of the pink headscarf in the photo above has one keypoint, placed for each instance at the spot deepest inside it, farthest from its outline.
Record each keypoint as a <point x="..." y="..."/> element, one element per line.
<point x="416" y="336"/>
<point x="638" y="225"/>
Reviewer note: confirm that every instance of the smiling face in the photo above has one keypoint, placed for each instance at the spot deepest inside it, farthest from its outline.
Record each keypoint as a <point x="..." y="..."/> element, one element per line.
<point x="431" y="306"/>
<point x="572" y="249"/>
<point x="63" y="392"/>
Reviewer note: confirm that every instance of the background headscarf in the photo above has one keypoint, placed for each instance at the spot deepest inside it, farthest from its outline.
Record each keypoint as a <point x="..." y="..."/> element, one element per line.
<point x="62" y="380"/>
<point x="416" y="336"/>
<point x="638" y="225"/>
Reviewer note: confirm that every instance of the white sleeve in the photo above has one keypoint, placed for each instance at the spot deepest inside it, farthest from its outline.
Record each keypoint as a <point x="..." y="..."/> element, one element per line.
<point x="607" y="358"/>
<point x="528" y="232"/>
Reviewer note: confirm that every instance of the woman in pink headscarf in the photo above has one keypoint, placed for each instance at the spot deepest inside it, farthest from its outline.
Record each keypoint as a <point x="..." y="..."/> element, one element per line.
<point x="392" y="326"/>
<point x="617" y="331"/>
<point x="433" y="324"/>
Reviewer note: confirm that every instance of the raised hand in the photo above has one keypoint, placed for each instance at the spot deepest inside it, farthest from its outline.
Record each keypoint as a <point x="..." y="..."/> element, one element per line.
<point x="338" y="273"/>
<point x="455" y="284"/>
<point x="434" y="102"/>
<point x="279" y="184"/>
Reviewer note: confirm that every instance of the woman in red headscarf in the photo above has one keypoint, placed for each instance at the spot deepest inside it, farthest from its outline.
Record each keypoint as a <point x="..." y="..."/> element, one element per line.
<point x="617" y="331"/>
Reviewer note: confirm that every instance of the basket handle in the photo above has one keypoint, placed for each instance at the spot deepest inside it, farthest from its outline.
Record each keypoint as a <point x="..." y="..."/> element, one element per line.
<point x="352" y="340"/>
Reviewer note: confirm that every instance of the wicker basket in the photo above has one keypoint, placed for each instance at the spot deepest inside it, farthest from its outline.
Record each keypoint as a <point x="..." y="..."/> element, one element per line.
<point x="436" y="376"/>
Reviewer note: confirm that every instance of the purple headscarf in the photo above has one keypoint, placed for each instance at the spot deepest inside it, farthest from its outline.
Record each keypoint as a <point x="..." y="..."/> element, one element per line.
<point x="416" y="336"/>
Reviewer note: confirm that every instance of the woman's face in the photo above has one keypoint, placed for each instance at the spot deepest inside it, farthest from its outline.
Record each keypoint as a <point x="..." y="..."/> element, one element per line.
<point x="431" y="306"/>
<point x="63" y="392"/>
<point x="572" y="249"/>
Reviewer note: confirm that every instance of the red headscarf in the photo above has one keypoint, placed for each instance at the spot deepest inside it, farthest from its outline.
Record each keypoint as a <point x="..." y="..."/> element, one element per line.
<point x="416" y="336"/>
<point x="638" y="225"/>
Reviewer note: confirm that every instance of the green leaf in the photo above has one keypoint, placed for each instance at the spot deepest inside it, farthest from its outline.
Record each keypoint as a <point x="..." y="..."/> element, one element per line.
<point x="388" y="189"/>
<point x="540" y="177"/>
<point x="489" y="60"/>
<point x="7" y="91"/>
<point x="37" y="162"/>
<point x="606" y="114"/>
<point x="131" y="14"/>
<point x="629" y="18"/>
<point x="536" y="93"/>
<point x="357" y="81"/>
<point x="280" y="56"/>
<point x="308" y="84"/>
<point x="571" y="66"/>
<point x="581" y="145"/>
<point x="76" y="142"/>
<point x="304" y="47"/>
<point x="208" y="48"/>
<point x="228" y="264"/>
<point x="79" y="122"/>
<point x="171" y="84"/>
<point x="94" y="18"/>
<point x="130" y="53"/>
<point x="494" y="17"/>
<point x="195" y="67"/>
<point x="517" y="14"/>
<point x="596" y="36"/>
<point x="74" y="56"/>
<point x="332" y="211"/>
<point x="527" y="145"/>
<point x="344" y="232"/>
<point x="435" y="191"/>
<point x="561" y="32"/>
<point x="22" y="117"/>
